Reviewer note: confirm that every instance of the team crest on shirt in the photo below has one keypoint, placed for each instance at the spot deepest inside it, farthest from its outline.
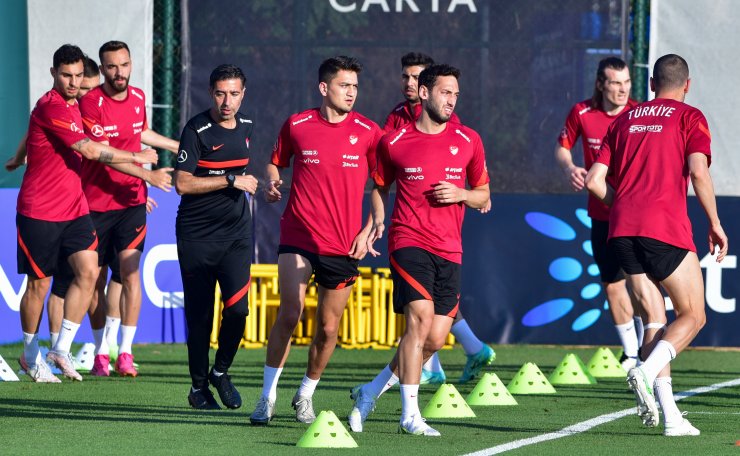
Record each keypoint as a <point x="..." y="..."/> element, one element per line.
<point x="352" y="139"/>
<point x="453" y="150"/>
<point x="137" y="109"/>
<point x="246" y="140"/>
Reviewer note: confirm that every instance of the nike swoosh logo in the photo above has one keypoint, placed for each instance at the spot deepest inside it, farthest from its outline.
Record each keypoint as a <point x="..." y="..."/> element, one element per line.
<point x="139" y="228"/>
<point x="217" y="147"/>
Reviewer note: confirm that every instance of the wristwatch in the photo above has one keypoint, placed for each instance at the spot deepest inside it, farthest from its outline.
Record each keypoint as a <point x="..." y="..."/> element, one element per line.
<point x="230" y="179"/>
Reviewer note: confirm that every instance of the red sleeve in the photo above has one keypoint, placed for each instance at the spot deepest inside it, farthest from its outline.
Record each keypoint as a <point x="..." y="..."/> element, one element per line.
<point x="91" y="118"/>
<point x="384" y="174"/>
<point x="604" y="154"/>
<point x="572" y="129"/>
<point x="372" y="155"/>
<point x="698" y="137"/>
<point x="390" y="123"/>
<point x="282" y="151"/>
<point x="477" y="171"/>
<point x="60" y="122"/>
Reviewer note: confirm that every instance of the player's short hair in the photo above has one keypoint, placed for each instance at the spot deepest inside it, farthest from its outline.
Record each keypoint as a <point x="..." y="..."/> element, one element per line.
<point x="331" y="66"/>
<point x="91" y="68"/>
<point x="429" y="76"/>
<point x="112" y="46"/>
<point x="416" y="59"/>
<point x="614" y="63"/>
<point x="226" y="71"/>
<point x="67" y="55"/>
<point x="670" y="71"/>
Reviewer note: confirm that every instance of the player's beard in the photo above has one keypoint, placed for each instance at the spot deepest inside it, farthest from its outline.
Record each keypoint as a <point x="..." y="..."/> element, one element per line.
<point x="116" y="85"/>
<point x="436" y="116"/>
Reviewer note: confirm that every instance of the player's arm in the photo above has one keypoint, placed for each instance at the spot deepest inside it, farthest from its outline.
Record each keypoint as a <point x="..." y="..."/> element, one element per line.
<point x="19" y="158"/>
<point x="575" y="174"/>
<point x="597" y="185"/>
<point x="188" y="184"/>
<point x="153" y="139"/>
<point x="448" y="193"/>
<point x="704" y="189"/>
<point x="272" y="192"/>
<point x="378" y="203"/>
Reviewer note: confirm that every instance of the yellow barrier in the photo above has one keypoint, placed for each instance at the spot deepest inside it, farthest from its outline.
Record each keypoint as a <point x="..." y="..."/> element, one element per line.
<point x="368" y="320"/>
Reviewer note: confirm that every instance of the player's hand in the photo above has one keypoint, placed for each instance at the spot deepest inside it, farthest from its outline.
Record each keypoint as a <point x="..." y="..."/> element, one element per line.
<point x="718" y="238"/>
<point x="448" y="193"/>
<point x="160" y="178"/>
<point x="150" y="204"/>
<point x="14" y="163"/>
<point x="272" y="193"/>
<point x="146" y="156"/>
<point x="358" y="250"/>
<point x="485" y="209"/>
<point x="246" y="183"/>
<point x="577" y="178"/>
<point x="375" y="233"/>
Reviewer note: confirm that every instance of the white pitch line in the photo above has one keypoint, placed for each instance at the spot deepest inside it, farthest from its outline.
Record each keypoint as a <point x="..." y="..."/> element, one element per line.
<point x="584" y="426"/>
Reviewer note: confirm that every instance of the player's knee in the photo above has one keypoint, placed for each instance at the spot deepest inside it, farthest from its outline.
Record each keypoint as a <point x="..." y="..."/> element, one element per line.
<point x="329" y="329"/>
<point x="238" y="310"/>
<point x="288" y="318"/>
<point x="434" y="344"/>
<point x="87" y="275"/>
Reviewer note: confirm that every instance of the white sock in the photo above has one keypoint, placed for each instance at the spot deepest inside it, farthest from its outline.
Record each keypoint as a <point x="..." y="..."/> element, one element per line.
<point x="111" y="331"/>
<point x="127" y="338"/>
<point x="381" y="383"/>
<point x="99" y="336"/>
<point x="639" y="330"/>
<point x="66" y="336"/>
<point x="409" y="402"/>
<point x="433" y="364"/>
<point x="308" y="386"/>
<point x="628" y="337"/>
<point x="662" y="354"/>
<point x="53" y="337"/>
<point x="664" y="393"/>
<point x="470" y="343"/>
<point x="31" y="348"/>
<point x="270" y="381"/>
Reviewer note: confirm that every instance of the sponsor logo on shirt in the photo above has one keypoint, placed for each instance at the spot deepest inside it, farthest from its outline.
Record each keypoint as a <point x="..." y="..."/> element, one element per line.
<point x="403" y="130"/>
<point x="350" y="157"/>
<point x="216" y="172"/>
<point x="73" y="126"/>
<point x="353" y="139"/>
<point x="453" y="150"/>
<point x="584" y="111"/>
<point x="110" y="127"/>
<point x="204" y="127"/>
<point x="244" y="120"/>
<point x="350" y="165"/>
<point x="449" y="176"/>
<point x="296" y="122"/>
<point x="357" y="121"/>
<point x="462" y="134"/>
<point x="217" y="147"/>
<point x="137" y="95"/>
<point x="182" y="156"/>
<point x="246" y="140"/>
<point x="646" y="128"/>
<point x="311" y="161"/>
<point x="97" y="131"/>
<point x="414" y="173"/>
<point x="594" y="143"/>
<point x="309" y="153"/>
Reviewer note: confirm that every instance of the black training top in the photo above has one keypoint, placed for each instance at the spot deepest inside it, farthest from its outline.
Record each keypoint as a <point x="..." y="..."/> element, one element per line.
<point x="208" y="149"/>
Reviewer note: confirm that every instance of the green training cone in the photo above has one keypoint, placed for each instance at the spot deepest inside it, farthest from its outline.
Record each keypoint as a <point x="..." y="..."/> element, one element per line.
<point x="447" y="403"/>
<point x="326" y="432"/>
<point x="605" y="365"/>
<point x="571" y="371"/>
<point x="530" y="380"/>
<point x="490" y="390"/>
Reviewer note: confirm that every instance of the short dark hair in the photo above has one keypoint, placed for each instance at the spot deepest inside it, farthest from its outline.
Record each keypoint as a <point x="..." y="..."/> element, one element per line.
<point x="226" y="71"/>
<point x="429" y="76"/>
<point x="670" y="71"/>
<point x="416" y="59"/>
<point x="91" y="68"/>
<point x="331" y="66"/>
<point x="67" y="55"/>
<point x="613" y="63"/>
<point x="112" y="46"/>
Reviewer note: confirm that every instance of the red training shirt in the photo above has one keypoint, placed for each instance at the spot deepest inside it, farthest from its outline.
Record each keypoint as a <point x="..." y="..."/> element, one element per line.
<point x="417" y="162"/>
<point x="647" y="149"/>
<point x="51" y="189"/>
<point x="120" y="123"/>
<point x="590" y="124"/>
<point x="331" y="165"/>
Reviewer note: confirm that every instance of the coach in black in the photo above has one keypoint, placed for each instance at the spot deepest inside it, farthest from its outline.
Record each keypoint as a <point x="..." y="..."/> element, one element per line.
<point x="214" y="234"/>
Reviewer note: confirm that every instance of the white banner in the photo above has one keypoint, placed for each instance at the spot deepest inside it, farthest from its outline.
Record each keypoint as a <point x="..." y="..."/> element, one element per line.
<point x="705" y="33"/>
<point x="88" y="24"/>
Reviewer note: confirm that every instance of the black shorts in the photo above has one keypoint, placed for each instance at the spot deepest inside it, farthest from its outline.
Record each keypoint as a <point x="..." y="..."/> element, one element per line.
<point x="604" y="255"/>
<point x="419" y="274"/>
<point x="119" y="230"/>
<point x="642" y="255"/>
<point x="331" y="272"/>
<point x="43" y="246"/>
